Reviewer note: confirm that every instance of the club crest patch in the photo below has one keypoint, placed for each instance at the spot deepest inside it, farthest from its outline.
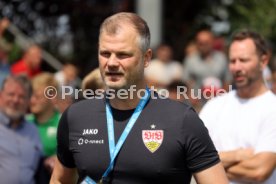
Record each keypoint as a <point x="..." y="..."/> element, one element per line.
<point x="152" y="139"/>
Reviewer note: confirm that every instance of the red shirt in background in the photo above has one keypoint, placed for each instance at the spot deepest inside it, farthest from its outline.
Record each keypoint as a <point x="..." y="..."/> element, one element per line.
<point x="20" y="67"/>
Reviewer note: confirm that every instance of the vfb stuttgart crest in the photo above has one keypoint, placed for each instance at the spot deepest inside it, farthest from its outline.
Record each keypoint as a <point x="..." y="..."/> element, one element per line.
<point x="152" y="139"/>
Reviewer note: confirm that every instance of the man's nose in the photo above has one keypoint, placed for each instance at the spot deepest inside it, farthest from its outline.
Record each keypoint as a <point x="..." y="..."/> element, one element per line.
<point x="236" y="66"/>
<point x="113" y="61"/>
<point x="16" y="98"/>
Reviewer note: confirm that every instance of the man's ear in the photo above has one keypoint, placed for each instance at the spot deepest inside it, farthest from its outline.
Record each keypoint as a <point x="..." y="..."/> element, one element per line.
<point x="264" y="61"/>
<point x="147" y="57"/>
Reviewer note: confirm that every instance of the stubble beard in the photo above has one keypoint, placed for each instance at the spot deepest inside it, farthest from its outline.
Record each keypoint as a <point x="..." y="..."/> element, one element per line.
<point x="14" y="115"/>
<point x="249" y="81"/>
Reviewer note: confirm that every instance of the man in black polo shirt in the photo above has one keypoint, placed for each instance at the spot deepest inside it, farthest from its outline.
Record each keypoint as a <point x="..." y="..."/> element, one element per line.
<point x="135" y="137"/>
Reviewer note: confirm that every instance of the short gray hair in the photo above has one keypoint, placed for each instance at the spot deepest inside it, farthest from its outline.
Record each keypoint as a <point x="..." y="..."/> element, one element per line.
<point x="112" y="24"/>
<point x="22" y="80"/>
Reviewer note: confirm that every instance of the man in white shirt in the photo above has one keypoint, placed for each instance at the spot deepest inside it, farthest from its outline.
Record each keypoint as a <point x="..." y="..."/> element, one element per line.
<point x="242" y="123"/>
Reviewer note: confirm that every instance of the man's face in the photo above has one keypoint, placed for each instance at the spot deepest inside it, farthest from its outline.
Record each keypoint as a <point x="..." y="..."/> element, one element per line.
<point x="164" y="53"/>
<point x="39" y="103"/>
<point x="71" y="73"/>
<point x="244" y="63"/>
<point x="13" y="100"/>
<point x="121" y="61"/>
<point x="204" y="42"/>
<point x="34" y="57"/>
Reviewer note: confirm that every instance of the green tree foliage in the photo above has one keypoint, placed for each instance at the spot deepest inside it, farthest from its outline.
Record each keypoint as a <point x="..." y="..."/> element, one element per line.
<point x="258" y="15"/>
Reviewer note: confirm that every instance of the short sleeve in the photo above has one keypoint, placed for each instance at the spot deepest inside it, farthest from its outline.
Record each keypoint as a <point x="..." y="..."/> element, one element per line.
<point x="200" y="150"/>
<point x="63" y="152"/>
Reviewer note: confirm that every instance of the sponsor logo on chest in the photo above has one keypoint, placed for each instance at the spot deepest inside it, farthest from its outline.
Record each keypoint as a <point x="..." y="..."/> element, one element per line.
<point x="90" y="131"/>
<point x="86" y="137"/>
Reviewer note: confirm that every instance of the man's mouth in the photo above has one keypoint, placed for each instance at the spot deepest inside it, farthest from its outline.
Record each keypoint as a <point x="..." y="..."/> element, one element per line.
<point x="239" y="77"/>
<point x="114" y="74"/>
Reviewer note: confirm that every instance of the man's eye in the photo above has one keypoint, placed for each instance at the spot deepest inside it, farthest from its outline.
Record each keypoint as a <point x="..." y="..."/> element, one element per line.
<point x="105" y="54"/>
<point x="244" y="60"/>
<point x="10" y="94"/>
<point x="123" y="56"/>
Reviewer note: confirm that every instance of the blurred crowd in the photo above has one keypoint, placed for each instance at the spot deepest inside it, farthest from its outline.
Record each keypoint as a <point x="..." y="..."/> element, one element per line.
<point x="30" y="118"/>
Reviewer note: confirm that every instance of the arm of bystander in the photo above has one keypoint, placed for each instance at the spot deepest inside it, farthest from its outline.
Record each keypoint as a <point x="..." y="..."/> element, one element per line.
<point x="255" y="169"/>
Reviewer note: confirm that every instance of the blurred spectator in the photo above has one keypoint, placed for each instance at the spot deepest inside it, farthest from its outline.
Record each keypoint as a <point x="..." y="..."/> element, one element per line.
<point x="163" y="69"/>
<point x="206" y="62"/>
<point x="93" y="80"/>
<point x="219" y="43"/>
<point x="273" y="76"/>
<point x="4" y="63"/>
<point x="21" y="149"/>
<point x="267" y="75"/>
<point x="4" y="24"/>
<point x="64" y="101"/>
<point x="267" y="72"/>
<point x="190" y="49"/>
<point x="155" y="75"/>
<point x="273" y="88"/>
<point x="30" y="64"/>
<point x="10" y="144"/>
<point x="46" y="117"/>
<point x="68" y="76"/>
<point x="210" y="88"/>
<point x="241" y="123"/>
<point x="5" y="48"/>
<point x="179" y="91"/>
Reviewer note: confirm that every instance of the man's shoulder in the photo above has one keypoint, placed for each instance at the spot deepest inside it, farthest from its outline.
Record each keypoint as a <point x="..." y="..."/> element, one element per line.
<point x="31" y="132"/>
<point x="192" y="58"/>
<point x="167" y="105"/>
<point x="219" y="58"/>
<point x="6" y="133"/>
<point x="87" y="105"/>
<point x="271" y="96"/>
<point x="223" y="97"/>
<point x="269" y="101"/>
<point x="30" y="126"/>
<point x="219" y="54"/>
<point x="218" y="103"/>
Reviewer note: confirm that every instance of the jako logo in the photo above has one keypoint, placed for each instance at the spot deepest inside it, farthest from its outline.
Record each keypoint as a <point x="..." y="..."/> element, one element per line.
<point x="90" y="131"/>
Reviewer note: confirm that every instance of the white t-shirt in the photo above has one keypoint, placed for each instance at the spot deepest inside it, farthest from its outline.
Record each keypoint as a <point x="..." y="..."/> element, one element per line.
<point x="235" y="123"/>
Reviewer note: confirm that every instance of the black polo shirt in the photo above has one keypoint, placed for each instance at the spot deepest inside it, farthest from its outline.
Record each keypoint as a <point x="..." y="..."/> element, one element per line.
<point x="167" y="143"/>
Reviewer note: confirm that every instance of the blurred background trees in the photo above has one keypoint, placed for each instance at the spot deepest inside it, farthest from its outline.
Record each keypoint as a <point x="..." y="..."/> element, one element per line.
<point x="68" y="29"/>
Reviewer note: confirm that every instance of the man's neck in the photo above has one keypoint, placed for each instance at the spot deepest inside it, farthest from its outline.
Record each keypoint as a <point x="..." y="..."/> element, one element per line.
<point x="130" y="103"/>
<point x="14" y="124"/>
<point x="254" y="90"/>
<point x="124" y="104"/>
<point x="206" y="56"/>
